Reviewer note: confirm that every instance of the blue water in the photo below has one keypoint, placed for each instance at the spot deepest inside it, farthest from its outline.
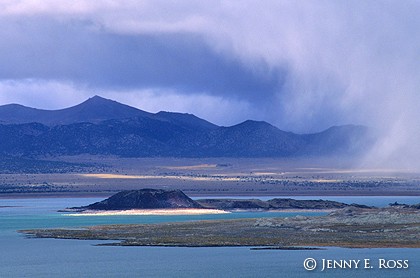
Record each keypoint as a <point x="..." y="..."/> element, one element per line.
<point x="23" y="257"/>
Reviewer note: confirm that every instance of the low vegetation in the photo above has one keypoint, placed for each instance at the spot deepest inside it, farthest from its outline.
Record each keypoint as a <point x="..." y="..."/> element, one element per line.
<point x="349" y="227"/>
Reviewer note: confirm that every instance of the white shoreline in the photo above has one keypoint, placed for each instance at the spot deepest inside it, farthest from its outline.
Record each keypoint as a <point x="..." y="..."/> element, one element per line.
<point x="149" y="212"/>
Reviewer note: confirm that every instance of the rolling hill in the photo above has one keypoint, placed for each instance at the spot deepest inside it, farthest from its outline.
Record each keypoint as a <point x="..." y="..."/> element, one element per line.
<point x="106" y="127"/>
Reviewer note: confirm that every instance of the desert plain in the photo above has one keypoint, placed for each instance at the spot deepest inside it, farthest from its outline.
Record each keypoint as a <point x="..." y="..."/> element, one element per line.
<point x="105" y="175"/>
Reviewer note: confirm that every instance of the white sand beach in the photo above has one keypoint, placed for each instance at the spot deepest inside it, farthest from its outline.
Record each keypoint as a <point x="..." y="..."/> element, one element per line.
<point x="148" y="212"/>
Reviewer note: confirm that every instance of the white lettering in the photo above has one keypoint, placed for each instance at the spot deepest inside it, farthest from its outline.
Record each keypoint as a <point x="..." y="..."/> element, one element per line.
<point x="342" y="264"/>
<point x="367" y="263"/>
<point x="393" y="264"/>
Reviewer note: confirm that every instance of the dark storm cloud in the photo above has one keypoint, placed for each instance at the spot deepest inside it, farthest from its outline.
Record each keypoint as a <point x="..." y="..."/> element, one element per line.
<point x="301" y="65"/>
<point x="79" y="52"/>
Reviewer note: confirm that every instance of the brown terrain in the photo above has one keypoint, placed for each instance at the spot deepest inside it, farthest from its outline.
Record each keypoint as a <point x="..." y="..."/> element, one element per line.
<point x="212" y="177"/>
<point x="348" y="227"/>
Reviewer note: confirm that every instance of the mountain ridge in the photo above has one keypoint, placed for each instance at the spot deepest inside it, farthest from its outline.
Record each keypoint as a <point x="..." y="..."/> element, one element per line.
<point x="106" y="127"/>
<point x="94" y="109"/>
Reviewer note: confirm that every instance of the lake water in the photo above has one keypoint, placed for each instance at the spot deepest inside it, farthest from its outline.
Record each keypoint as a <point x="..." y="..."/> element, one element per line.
<point x="23" y="257"/>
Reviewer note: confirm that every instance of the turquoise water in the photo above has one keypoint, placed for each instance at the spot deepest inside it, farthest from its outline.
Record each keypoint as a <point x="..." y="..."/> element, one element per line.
<point x="23" y="257"/>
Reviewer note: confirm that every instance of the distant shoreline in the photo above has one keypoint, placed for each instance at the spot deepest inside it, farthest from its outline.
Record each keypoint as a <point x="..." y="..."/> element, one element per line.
<point x="200" y="178"/>
<point x="82" y="194"/>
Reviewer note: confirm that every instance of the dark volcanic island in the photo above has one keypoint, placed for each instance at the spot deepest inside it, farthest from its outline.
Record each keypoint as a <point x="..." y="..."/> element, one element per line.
<point x="143" y="199"/>
<point x="176" y="199"/>
<point x="345" y="226"/>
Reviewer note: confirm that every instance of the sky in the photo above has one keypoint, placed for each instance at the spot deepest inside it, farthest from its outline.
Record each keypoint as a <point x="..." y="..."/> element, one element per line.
<point x="302" y="66"/>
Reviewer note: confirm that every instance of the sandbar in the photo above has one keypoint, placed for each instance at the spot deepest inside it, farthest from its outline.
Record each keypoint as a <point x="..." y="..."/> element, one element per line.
<point x="148" y="212"/>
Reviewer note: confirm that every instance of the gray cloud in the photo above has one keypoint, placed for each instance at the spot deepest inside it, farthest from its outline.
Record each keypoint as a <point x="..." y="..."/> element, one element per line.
<point x="303" y="66"/>
<point x="47" y="49"/>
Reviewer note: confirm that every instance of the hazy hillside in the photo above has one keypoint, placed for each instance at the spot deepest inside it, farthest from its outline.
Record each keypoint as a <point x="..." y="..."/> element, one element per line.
<point x="102" y="126"/>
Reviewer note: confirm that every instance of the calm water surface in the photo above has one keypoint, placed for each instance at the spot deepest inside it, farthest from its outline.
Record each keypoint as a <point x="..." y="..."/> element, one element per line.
<point x="23" y="257"/>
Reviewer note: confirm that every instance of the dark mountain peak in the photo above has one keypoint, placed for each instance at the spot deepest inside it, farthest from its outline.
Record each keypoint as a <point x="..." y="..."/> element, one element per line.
<point x="98" y="100"/>
<point x="144" y="199"/>
<point x="97" y="109"/>
<point x="254" y="125"/>
<point x="93" y="110"/>
<point x="103" y="126"/>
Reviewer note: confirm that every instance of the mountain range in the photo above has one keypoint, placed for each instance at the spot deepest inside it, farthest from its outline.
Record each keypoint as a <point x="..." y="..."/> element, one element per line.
<point x="106" y="127"/>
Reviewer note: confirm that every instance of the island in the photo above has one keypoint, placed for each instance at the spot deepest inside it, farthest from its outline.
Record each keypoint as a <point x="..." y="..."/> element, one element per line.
<point x="144" y="202"/>
<point x="158" y="199"/>
<point x="356" y="226"/>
